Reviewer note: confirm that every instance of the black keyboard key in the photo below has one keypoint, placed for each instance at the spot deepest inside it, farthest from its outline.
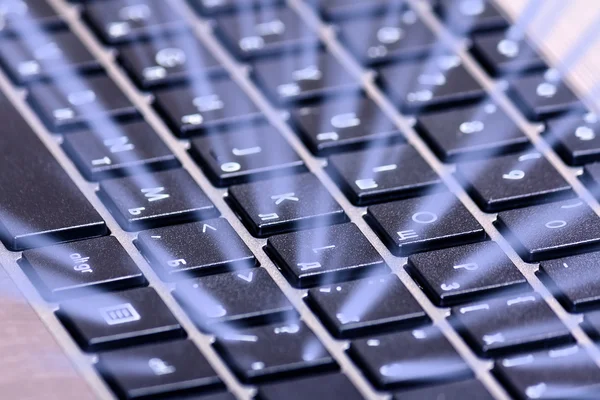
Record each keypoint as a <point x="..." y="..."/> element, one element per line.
<point x="224" y="302"/>
<point x="500" y="55"/>
<point x="285" y="204"/>
<point x="465" y="273"/>
<point x="425" y="223"/>
<point x="551" y="230"/>
<point x="169" y="60"/>
<point x="342" y="9"/>
<point x="540" y="96"/>
<point x="575" y="138"/>
<point x="419" y="357"/>
<point x="120" y="21"/>
<point x="118" y="151"/>
<point x="248" y="154"/>
<point x="325" y="255"/>
<point x="206" y="106"/>
<point x="387" y="37"/>
<point x="117" y="319"/>
<point x="322" y="387"/>
<point x="591" y="177"/>
<point x="42" y="206"/>
<point x="273" y="351"/>
<point x="448" y="391"/>
<point x="513" y="181"/>
<point x="463" y="16"/>
<point x="214" y="7"/>
<point x="564" y="373"/>
<point x="472" y="132"/>
<point x="573" y="280"/>
<point x="344" y="123"/>
<point x="298" y="77"/>
<point x="509" y="325"/>
<point x="199" y="248"/>
<point x="381" y="174"/>
<point x="81" y="268"/>
<point x="159" y="369"/>
<point x="45" y="55"/>
<point x="21" y="17"/>
<point x="78" y="102"/>
<point x="265" y="32"/>
<point x="152" y="200"/>
<point x="366" y="306"/>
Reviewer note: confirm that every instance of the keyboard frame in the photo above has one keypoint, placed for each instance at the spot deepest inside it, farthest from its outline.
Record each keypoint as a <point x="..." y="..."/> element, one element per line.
<point x="240" y="73"/>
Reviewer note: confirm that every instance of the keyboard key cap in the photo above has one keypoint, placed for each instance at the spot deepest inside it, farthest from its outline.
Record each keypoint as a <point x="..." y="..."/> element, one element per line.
<point x="325" y="255"/>
<point x="322" y="387"/>
<point x="463" y="16"/>
<point x="387" y="37"/>
<point x="540" y="96"/>
<point x="274" y="351"/>
<point x="199" y="248"/>
<point x="425" y="223"/>
<point x="80" y="102"/>
<point x="214" y="7"/>
<point x="418" y="357"/>
<point x="285" y="204"/>
<point x="81" y="268"/>
<point x="513" y="181"/>
<point x="152" y="200"/>
<point x="551" y="230"/>
<point x="120" y="150"/>
<point x="344" y="123"/>
<point x="366" y="306"/>
<point x="573" y="280"/>
<point x="249" y="154"/>
<point x="448" y="391"/>
<point x="466" y="273"/>
<point x="377" y="175"/>
<point x="509" y="325"/>
<point x="565" y="373"/>
<point x="45" y="55"/>
<point x="39" y="203"/>
<point x="591" y="177"/>
<point x="169" y="60"/>
<point x="499" y="54"/>
<point x="575" y="138"/>
<point x="117" y="319"/>
<point x="119" y="21"/>
<point x="266" y="31"/>
<point x="159" y="369"/>
<point x="221" y="303"/>
<point x="20" y="16"/>
<point x="206" y="106"/>
<point x="303" y="76"/>
<point x="342" y="9"/>
<point x="472" y="132"/>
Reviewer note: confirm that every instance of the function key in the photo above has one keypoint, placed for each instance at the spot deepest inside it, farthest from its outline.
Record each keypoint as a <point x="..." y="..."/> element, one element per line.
<point x="322" y="387"/>
<point x="387" y="37"/>
<point x="439" y="81"/>
<point x="381" y="174"/>
<point x="119" y="21"/>
<point x="465" y="273"/>
<point x="118" y="151"/>
<point x="342" y="9"/>
<point x="472" y="132"/>
<point x="448" y="391"/>
<point x="153" y="200"/>
<point x="170" y="60"/>
<point x="48" y="55"/>
<point x="344" y="123"/>
<point x="303" y="76"/>
<point x="463" y="16"/>
<point x="576" y="138"/>
<point x="248" y="154"/>
<point x="325" y="255"/>
<point x="117" y="319"/>
<point x="366" y="306"/>
<point x="20" y="16"/>
<point x="159" y="369"/>
<point x="266" y="31"/>
<point x="214" y="7"/>
<point x="285" y="204"/>
<point x="424" y="223"/>
<point x="81" y="268"/>
<point x="206" y="106"/>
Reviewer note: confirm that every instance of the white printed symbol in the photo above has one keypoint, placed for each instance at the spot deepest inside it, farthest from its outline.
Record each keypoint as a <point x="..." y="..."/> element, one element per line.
<point x="495" y="338"/>
<point x="293" y="328"/>
<point x="514" y="175"/>
<point x="424" y="217"/>
<point x="452" y="286"/>
<point x="556" y="224"/>
<point x="508" y="48"/>
<point x="231" y="167"/>
<point x="393" y="370"/>
<point x="137" y="12"/>
<point x="585" y="133"/>
<point x="81" y="263"/>
<point x="160" y="367"/>
<point x="364" y="184"/>
<point x="170" y="57"/>
<point x="536" y="391"/>
<point x="246" y="152"/>
<point x="344" y="121"/>
<point x="248" y="278"/>
<point x="258" y="365"/>
<point x="119" y="314"/>
<point x="212" y="102"/>
<point x="546" y="89"/>
<point x="81" y="97"/>
<point x="471" y="127"/>
<point x="154" y="194"/>
<point x="409" y="234"/>
<point x="344" y="319"/>
<point x="419" y="334"/>
<point x="389" y="34"/>
<point x="309" y="266"/>
<point x="207" y="226"/>
<point x="310" y="73"/>
<point x="468" y="267"/>
<point x="216" y="311"/>
<point x="280" y="198"/>
<point x="275" y="27"/>
<point x="47" y="51"/>
<point x="434" y="79"/>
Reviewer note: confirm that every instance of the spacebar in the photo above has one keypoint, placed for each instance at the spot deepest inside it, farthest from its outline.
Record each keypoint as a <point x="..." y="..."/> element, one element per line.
<point x="39" y="204"/>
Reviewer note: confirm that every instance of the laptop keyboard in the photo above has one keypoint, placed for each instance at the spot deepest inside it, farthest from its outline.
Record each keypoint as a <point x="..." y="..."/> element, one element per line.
<point x="226" y="199"/>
